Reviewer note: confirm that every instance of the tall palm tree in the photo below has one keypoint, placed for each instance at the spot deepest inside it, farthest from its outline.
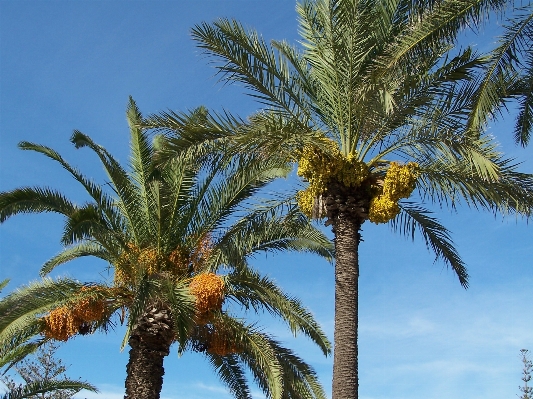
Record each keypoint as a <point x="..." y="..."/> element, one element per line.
<point x="371" y="107"/>
<point x="508" y="76"/>
<point x="177" y="238"/>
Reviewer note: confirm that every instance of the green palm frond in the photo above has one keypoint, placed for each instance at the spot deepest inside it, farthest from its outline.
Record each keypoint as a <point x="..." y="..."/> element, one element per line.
<point x="40" y="387"/>
<point x="277" y="227"/>
<point x="34" y="299"/>
<point x="125" y="189"/>
<point x="3" y="284"/>
<point x="300" y="381"/>
<point x="33" y="200"/>
<point x="198" y="133"/>
<point x="252" y="62"/>
<point x="85" y="222"/>
<point x="142" y="165"/>
<point x="436" y="236"/>
<point x="274" y="134"/>
<point x="231" y="373"/>
<point x="250" y="289"/>
<point x="87" y="248"/>
<point x="105" y="203"/>
<point x="440" y="24"/>
<point x="503" y="71"/>
<point x="181" y="304"/>
<point x="177" y="192"/>
<point x="259" y="356"/>
<point x="241" y="180"/>
<point x="508" y="191"/>
<point x="144" y="291"/>
<point x="22" y="309"/>
<point x="524" y="90"/>
<point x="20" y="349"/>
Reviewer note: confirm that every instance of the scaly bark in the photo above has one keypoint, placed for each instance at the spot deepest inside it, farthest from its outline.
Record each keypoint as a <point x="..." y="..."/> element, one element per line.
<point x="150" y="342"/>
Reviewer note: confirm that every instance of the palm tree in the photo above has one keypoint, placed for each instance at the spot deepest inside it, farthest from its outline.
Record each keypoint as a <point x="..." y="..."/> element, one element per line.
<point x="177" y="238"/>
<point x="508" y="76"/>
<point x="371" y="108"/>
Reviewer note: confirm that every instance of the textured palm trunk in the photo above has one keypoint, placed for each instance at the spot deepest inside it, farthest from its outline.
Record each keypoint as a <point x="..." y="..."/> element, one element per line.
<point x="150" y="342"/>
<point x="345" y="376"/>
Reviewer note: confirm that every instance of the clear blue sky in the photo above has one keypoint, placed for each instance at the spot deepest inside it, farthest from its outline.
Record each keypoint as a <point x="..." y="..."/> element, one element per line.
<point x="68" y="65"/>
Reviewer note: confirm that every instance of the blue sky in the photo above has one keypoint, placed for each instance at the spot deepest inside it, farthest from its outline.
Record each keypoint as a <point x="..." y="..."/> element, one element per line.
<point x="68" y="65"/>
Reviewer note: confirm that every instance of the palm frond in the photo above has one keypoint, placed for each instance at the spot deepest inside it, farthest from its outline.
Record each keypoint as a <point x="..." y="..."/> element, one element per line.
<point x="249" y="60"/>
<point x="258" y="354"/>
<point x="300" y="381"/>
<point x="503" y="70"/>
<point x="435" y="235"/>
<point x="41" y="387"/>
<point x="142" y="161"/>
<point x="181" y="303"/>
<point x="77" y="251"/>
<point x="439" y="25"/>
<point x="524" y="120"/>
<point x="249" y="289"/>
<point x="198" y="131"/>
<point x="126" y="191"/>
<point x="228" y="191"/>
<point x="33" y="200"/>
<point x="143" y="292"/>
<point x="509" y="191"/>
<point x="231" y="373"/>
<point x="20" y="349"/>
<point x="102" y="199"/>
<point x="276" y="226"/>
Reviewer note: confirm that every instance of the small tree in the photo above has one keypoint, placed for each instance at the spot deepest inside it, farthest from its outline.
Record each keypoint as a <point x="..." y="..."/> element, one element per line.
<point x="527" y="391"/>
<point x="44" y="377"/>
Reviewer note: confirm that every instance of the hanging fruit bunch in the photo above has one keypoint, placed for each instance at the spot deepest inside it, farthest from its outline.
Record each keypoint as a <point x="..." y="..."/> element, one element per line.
<point x="208" y="288"/>
<point x="66" y="321"/>
<point x="133" y="262"/>
<point x="399" y="182"/>
<point x="150" y="261"/>
<point x="178" y="262"/>
<point x="214" y="338"/>
<point x="125" y="267"/>
<point x="220" y="343"/>
<point x="361" y="190"/>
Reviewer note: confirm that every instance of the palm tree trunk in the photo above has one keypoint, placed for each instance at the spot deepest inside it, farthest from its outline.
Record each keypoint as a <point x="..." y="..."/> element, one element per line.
<point x="150" y="342"/>
<point x="345" y="378"/>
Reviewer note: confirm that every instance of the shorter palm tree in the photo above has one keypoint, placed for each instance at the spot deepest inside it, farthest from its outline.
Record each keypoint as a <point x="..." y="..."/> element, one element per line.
<point x="177" y="237"/>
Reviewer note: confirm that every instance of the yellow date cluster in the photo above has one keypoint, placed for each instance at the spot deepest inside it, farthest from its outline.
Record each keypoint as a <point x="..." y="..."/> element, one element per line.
<point x="319" y="168"/>
<point x="66" y="321"/>
<point x="134" y="261"/>
<point x="399" y="182"/>
<point x="208" y="288"/>
<point x="219" y="344"/>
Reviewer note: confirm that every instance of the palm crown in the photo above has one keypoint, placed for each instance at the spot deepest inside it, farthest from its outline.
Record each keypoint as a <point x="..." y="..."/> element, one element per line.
<point x="374" y="86"/>
<point x="177" y="237"/>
